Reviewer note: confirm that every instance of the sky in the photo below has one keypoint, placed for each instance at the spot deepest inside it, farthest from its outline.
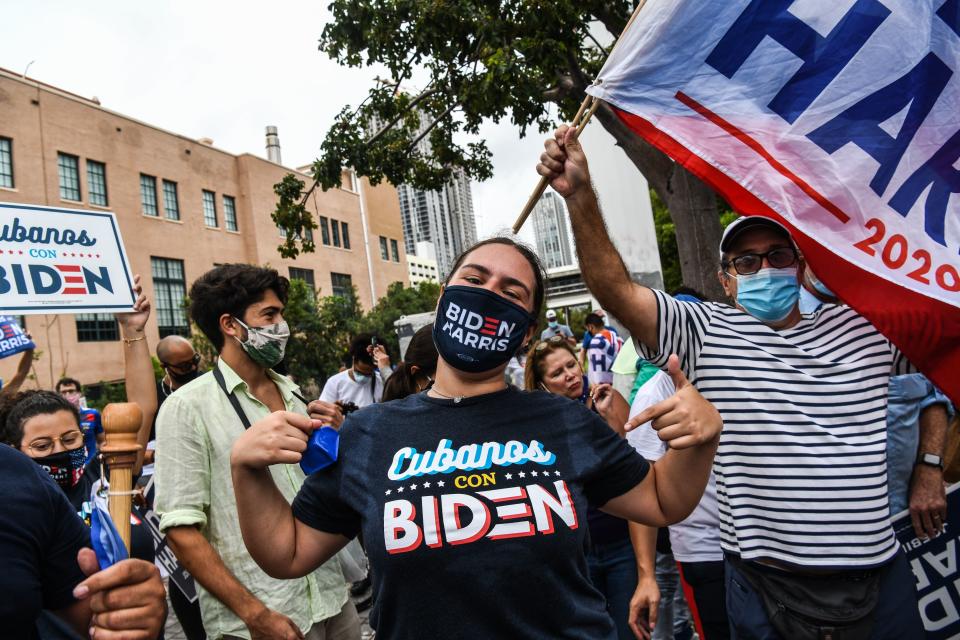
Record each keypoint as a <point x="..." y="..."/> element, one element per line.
<point x="226" y="70"/>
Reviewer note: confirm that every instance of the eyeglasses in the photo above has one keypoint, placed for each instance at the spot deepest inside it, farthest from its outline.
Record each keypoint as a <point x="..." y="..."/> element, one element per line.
<point x="554" y="340"/>
<point x="69" y="440"/>
<point x="184" y="366"/>
<point x="750" y="263"/>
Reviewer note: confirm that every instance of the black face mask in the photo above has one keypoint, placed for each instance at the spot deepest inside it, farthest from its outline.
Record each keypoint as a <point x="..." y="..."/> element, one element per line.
<point x="477" y="330"/>
<point x="65" y="467"/>
<point x="181" y="379"/>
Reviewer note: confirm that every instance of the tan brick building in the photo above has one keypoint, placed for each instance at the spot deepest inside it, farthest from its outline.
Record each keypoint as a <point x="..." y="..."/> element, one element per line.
<point x="182" y="206"/>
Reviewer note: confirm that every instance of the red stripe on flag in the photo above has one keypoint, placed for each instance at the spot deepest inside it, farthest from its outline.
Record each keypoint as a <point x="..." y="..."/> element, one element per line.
<point x="74" y="279"/>
<point x="745" y="138"/>
<point x="68" y="267"/>
<point x="73" y="290"/>
<point x="926" y="330"/>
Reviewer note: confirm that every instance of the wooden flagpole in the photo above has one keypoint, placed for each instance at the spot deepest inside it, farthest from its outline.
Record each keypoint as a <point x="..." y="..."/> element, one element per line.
<point x="121" y="421"/>
<point x="590" y="102"/>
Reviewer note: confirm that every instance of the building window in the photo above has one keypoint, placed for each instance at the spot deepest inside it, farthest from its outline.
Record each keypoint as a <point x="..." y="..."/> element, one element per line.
<point x="383" y="249"/>
<point x="169" y="290"/>
<point x="97" y="327"/>
<point x="97" y="183"/>
<point x="335" y="227"/>
<point x="324" y="231"/>
<point x="171" y="202"/>
<point x="69" y="169"/>
<point x="395" y="250"/>
<point x="230" y="213"/>
<point x="148" y="195"/>
<point x="303" y="274"/>
<point x="209" y="208"/>
<point x="342" y="284"/>
<point x="345" y="230"/>
<point x="6" y="163"/>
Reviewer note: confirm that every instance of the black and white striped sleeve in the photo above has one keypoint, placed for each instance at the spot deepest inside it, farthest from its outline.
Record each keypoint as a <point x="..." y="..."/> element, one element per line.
<point x="681" y="327"/>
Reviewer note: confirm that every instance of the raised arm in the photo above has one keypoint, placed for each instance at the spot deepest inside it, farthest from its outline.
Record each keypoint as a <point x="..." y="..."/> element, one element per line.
<point x="604" y="272"/>
<point x="283" y="546"/>
<point x="23" y="370"/>
<point x="138" y="366"/>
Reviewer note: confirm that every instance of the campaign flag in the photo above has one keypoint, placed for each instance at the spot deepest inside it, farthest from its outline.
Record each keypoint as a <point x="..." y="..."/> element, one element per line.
<point x="840" y="119"/>
<point x="13" y="339"/>
<point x="934" y="565"/>
<point x="55" y="260"/>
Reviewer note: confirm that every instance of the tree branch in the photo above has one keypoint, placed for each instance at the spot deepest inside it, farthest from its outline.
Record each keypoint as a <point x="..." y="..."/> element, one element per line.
<point x="611" y="22"/>
<point x="433" y="124"/>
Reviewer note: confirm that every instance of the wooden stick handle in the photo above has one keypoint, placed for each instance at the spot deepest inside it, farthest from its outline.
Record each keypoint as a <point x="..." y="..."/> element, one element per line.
<point x="121" y="422"/>
<point x="588" y="101"/>
<point x="545" y="181"/>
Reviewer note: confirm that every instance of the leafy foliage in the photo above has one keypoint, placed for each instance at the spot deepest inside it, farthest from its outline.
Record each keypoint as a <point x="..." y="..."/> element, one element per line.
<point x="321" y="330"/>
<point x="484" y="60"/>
<point x="667" y="240"/>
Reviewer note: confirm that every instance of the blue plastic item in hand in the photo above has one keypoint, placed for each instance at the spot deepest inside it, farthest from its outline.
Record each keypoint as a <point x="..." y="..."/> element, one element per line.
<point x="321" y="450"/>
<point x="107" y="543"/>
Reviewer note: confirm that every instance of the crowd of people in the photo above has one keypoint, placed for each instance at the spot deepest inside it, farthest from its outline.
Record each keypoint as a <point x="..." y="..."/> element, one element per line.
<point x="728" y="470"/>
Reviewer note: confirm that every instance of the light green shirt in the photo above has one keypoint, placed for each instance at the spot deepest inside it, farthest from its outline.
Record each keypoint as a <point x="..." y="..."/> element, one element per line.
<point x="196" y="428"/>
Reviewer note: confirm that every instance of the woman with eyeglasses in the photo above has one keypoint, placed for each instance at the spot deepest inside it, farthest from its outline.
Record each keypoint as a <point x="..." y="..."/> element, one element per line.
<point x="46" y="426"/>
<point x="552" y="366"/>
<point x="472" y="496"/>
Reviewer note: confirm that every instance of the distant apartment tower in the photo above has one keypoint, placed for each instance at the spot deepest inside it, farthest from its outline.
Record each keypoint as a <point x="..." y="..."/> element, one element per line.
<point x="551" y="227"/>
<point x="443" y="218"/>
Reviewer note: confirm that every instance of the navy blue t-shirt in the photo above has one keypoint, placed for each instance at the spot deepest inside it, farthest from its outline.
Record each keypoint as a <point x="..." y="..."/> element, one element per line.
<point x="40" y="535"/>
<point x="474" y="513"/>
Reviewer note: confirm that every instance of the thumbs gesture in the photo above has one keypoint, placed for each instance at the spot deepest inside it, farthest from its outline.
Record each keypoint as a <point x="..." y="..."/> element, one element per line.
<point x="564" y="162"/>
<point x="685" y="419"/>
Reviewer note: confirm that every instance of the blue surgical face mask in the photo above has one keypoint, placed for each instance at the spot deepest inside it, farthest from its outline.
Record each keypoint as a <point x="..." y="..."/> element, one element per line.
<point x="553" y="324"/>
<point x="477" y="330"/>
<point x="769" y="295"/>
<point x="361" y="378"/>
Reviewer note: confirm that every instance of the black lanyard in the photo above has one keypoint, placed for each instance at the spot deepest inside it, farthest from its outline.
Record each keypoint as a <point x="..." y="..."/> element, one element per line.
<point x="232" y="398"/>
<point x="236" y="403"/>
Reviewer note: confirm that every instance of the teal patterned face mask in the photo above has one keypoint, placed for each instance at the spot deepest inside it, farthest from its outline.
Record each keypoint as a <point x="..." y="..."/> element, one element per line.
<point x="265" y="345"/>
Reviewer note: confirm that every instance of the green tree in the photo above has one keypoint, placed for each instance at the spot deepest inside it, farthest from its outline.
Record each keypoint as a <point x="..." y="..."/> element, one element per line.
<point x="399" y="301"/>
<point x="483" y="60"/>
<point x="666" y="230"/>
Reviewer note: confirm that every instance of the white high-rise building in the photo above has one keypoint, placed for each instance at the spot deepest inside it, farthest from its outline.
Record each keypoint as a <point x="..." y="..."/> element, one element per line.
<point x="551" y="230"/>
<point x="442" y="218"/>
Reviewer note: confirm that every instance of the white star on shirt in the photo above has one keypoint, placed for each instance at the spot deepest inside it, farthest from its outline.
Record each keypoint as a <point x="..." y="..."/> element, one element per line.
<point x="522" y="474"/>
<point x="533" y="473"/>
<point x="509" y="476"/>
<point x="412" y="487"/>
<point x="426" y="485"/>
<point x="388" y="492"/>
<point x="399" y="489"/>
<point x="440" y="483"/>
<point x="556" y="473"/>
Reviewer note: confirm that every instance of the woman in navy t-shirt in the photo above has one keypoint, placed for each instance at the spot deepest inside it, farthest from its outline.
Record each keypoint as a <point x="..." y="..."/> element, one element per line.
<point x="472" y="496"/>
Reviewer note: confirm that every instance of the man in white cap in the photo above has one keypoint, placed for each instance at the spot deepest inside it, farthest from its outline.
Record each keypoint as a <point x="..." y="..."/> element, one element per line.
<point x="801" y="467"/>
<point x="554" y="328"/>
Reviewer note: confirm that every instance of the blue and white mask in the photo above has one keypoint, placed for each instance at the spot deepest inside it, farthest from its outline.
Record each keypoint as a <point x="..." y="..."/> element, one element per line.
<point x="769" y="295"/>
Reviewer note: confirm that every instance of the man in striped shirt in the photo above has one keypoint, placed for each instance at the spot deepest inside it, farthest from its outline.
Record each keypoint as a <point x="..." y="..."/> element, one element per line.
<point x="801" y="468"/>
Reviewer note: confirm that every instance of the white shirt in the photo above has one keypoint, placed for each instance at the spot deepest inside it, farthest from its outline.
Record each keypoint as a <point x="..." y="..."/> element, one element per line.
<point x="341" y="387"/>
<point x="696" y="539"/>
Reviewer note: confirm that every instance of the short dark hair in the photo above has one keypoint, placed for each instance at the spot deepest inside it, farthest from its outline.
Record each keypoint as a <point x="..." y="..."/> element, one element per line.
<point x="525" y="251"/>
<point x="358" y="348"/>
<point x="16" y="410"/>
<point x="230" y="289"/>
<point x="62" y="382"/>
<point x="593" y="319"/>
